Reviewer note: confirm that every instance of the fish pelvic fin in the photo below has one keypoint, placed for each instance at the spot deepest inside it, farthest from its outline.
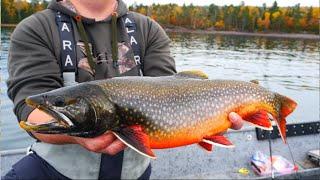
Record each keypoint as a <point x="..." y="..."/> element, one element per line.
<point x="197" y="74"/>
<point x="287" y="106"/>
<point x="136" y="139"/>
<point x="259" y="119"/>
<point x="218" y="140"/>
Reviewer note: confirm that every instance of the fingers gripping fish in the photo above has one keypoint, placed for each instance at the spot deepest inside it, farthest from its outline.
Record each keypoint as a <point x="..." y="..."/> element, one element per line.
<point x="159" y="112"/>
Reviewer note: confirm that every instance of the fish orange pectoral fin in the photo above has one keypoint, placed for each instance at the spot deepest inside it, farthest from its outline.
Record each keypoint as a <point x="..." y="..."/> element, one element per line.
<point x="206" y="146"/>
<point x="135" y="138"/>
<point x="218" y="140"/>
<point x="259" y="119"/>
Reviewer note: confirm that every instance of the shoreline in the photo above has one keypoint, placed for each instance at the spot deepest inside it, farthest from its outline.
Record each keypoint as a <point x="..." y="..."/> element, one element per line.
<point x="8" y="25"/>
<point x="228" y="33"/>
<point x="249" y="34"/>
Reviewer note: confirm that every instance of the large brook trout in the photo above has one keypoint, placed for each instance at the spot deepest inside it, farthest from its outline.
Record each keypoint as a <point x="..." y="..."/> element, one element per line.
<point x="159" y="112"/>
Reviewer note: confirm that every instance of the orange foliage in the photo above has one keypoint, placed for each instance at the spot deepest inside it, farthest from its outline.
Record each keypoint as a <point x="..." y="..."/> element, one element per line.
<point x="303" y="23"/>
<point x="289" y="21"/>
<point x="266" y="20"/>
<point x="231" y="17"/>
<point x="219" y="25"/>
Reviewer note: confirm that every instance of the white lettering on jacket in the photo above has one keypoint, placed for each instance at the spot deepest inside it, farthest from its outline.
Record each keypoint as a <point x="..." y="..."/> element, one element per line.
<point x="127" y="20"/>
<point x="66" y="44"/>
<point x="133" y="40"/>
<point x="137" y="59"/>
<point x="65" y="27"/>
<point x="130" y="31"/>
<point x="68" y="61"/>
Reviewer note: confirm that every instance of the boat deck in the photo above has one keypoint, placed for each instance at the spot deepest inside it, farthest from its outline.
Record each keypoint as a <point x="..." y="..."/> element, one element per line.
<point x="192" y="162"/>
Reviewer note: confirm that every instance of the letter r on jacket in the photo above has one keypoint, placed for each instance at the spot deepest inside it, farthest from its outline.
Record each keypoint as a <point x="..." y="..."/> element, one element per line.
<point x="66" y="44"/>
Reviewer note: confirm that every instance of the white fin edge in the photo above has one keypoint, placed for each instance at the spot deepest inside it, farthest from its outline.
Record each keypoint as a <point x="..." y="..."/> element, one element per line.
<point x="261" y="127"/>
<point x="217" y="144"/>
<point x="129" y="145"/>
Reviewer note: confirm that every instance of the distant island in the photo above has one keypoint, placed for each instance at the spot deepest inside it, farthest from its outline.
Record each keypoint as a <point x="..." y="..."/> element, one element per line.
<point x="232" y="19"/>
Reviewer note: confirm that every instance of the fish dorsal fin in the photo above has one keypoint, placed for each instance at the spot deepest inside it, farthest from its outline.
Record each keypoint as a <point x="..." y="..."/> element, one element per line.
<point x="136" y="139"/>
<point x="193" y="74"/>
<point x="254" y="81"/>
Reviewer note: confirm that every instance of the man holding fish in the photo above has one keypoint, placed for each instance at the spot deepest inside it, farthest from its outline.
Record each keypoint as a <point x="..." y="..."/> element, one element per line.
<point x="121" y="43"/>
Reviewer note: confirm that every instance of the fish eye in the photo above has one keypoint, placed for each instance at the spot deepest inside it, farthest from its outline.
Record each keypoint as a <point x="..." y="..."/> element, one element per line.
<point x="59" y="101"/>
<point x="71" y="101"/>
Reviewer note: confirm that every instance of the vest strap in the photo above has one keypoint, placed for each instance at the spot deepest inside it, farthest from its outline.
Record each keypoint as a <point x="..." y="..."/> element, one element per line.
<point x="68" y="59"/>
<point x="131" y="29"/>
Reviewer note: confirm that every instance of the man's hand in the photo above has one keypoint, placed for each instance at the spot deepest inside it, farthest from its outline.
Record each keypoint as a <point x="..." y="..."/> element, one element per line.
<point x="105" y="143"/>
<point x="236" y="121"/>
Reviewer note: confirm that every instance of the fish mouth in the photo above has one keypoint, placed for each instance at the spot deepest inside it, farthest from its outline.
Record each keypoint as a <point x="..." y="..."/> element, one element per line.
<point x="58" y="124"/>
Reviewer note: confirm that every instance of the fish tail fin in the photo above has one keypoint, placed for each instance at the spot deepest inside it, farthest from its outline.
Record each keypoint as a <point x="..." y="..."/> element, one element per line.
<point x="287" y="106"/>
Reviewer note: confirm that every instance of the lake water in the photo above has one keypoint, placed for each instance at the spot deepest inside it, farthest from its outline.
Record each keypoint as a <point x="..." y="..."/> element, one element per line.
<point x="287" y="66"/>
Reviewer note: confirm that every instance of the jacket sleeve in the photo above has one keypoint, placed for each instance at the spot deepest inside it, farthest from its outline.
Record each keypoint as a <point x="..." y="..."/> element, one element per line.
<point x="157" y="58"/>
<point x="32" y="65"/>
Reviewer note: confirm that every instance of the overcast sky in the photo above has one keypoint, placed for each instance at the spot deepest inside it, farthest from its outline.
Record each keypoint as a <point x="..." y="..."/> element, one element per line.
<point x="228" y="2"/>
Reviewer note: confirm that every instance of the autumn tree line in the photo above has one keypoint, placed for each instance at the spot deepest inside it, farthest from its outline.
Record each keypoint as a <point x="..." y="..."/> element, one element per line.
<point x="236" y="18"/>
<point x="229" y="18"/>
<point x="13" y="11"/>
